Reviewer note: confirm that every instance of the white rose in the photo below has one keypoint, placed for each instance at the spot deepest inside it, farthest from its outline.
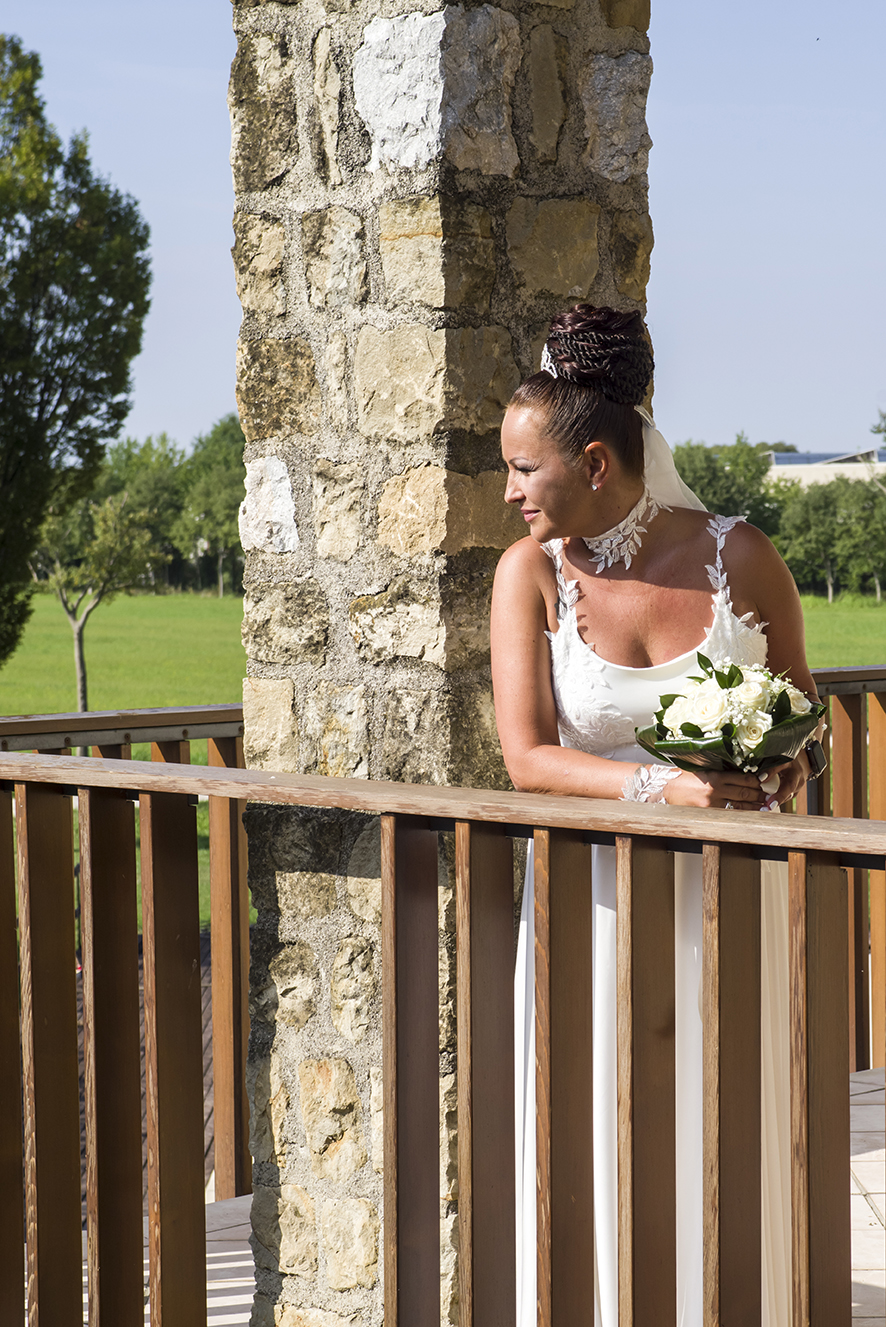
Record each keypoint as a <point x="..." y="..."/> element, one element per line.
<point x="710" y="707"/>
<point x="676" y="714"/>
<point x="751" y="733"/>
<point x="800" y="704"/>
<point x="750" y="694"/>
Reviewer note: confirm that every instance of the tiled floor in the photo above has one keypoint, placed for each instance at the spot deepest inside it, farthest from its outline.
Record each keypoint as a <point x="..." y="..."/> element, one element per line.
<point x="868" y="1181"/>
<point x="230" y="1279"/>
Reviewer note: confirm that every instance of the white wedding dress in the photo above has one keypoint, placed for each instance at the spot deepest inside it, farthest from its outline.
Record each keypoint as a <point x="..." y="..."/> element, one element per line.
<point x="599" y="704"/>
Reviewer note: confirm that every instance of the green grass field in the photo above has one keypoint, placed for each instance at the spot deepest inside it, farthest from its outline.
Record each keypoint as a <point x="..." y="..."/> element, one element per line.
<point x="848" y="633"/>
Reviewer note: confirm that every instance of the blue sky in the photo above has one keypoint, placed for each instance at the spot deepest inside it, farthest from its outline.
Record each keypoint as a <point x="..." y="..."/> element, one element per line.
<point x="767" y="192"/>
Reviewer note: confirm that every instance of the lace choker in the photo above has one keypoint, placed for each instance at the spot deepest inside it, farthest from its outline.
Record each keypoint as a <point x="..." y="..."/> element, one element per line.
<point x="623" y="541"/>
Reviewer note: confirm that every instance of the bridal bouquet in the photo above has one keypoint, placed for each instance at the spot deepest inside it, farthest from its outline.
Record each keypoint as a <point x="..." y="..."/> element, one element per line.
<point x="734" y="717"/>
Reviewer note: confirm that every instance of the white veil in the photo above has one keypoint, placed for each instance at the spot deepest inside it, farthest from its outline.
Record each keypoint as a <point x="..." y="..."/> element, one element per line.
<point x="662" y="480"/>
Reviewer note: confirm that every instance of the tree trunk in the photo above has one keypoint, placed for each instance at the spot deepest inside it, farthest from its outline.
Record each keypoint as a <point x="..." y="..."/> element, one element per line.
<point x="221" y="573"/>
<point x="80" y="663"/>
<point x="830" y="579"/>
<point x="877" y="588"/>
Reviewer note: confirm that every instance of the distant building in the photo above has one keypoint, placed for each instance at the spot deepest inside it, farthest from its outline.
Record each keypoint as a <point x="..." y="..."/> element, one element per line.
<point x="822" y="467"/>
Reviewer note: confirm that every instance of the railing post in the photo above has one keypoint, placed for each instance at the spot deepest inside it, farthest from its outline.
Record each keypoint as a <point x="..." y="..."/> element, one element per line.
<point x="49" y="1048"/>
<point x="850" y="799"/>
<point x="411" y="1073"/>
<point x="647" y="1191"/>
<point x="112" y="1056"/>
<point x="229" y="908"/>
<point x="12" y="1232"/>
<point x="821" y="1254"/>
<point x="173" y="1061"/>
<point x="877" y="808"/>
<point x="484" y="883"/>
<point x="731" y="1075"/>
<point x="564" y="1077"/>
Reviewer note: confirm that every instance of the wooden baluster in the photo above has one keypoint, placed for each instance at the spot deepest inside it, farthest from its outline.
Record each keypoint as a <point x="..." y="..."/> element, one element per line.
<point x="229" y="906"/>
<point x="821" y="1253"/>
<point x="109" y="933"/>
<point x="411" y="1073"/>
<point x="849" y="762"/>
<point x="49" y="1052"/>
<point x="172" y="752"/>
<point x="113" y="751"/>
<point x="12" y="1233"/>
<point x="485" y="992"/>
<point x="564" y="1078"/>
<point x="173" y="1061"/>
<point x="647" y="1194"/>
<point x="877" y="807"/>
<point x="731" y="1002"/>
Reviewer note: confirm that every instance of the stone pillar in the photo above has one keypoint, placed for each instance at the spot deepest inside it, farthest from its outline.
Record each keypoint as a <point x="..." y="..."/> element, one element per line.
<point x="417" y="193"/>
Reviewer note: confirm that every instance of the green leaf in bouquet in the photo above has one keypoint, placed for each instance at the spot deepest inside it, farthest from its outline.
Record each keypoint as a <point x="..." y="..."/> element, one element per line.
<point x="706" y="665"/>
<point x="786" y="740"/>
<point x="687" y="753"/>
<point x="781" y="710"/>
<point x="728" y="729"/>
<point x="691" y="730"/>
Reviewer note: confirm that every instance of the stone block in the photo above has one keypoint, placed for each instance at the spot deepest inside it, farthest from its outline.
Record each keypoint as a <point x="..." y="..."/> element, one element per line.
<point x="429" y="509"/>
<point x="258" y="252"/>
<point x="546" y="94"/>
<point x="267" y="513"/>
<point x="364" y="875"/>
<point x="553" y="244"/>
<point x="377" y="1117"/>
<point x="334" y="728"/>
<point x="262" y="1314"/>
<point x="481" y="56"/>
<point x="289" y="994"/>
<point x="277" y="389"/>
<point x="337" y="505"/>
<point x="474" y="751"/>
<point x="264" y="140"/>
<point x="330" y="1107"/>
<point x="268" y="1108"/>
<point x="449" y="1138"/>
<point x="350" y="1228"/>
<point x="287" y="624"/>
<point x="626" y="13"/>
<point x="399" y="379"/>
<point x="437" y="251"/>
<point x="306" y="893"/>
<point x="335" y="367"/>
<point x="415" y="743"/>
<point x="449" y="1291"/>
<point x="413" y="380"/>
<point x="466" y="599"/>
<point x="334" y="258"/>
<point x="401" y="622"/>
<point x="614" y="91"/>
<point x="327" y="92"/>
<point x="301" y="1317"/>
<point x="630" y="242"/>
<point x="352" y="987"/>
<point x="429" y="85"/>
<point x="284" y="1233"/>
<point x="269" y="736"/>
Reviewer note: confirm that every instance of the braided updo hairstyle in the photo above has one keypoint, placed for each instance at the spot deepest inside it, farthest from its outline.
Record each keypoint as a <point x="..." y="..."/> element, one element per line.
<point x="604" y="365"/>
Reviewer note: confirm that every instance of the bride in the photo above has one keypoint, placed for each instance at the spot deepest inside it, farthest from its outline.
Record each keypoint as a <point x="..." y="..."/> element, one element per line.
<point x="622" y="578"/>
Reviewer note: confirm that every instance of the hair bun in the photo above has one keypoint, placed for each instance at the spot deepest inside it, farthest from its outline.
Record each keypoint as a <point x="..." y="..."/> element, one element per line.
<point x="603" y="349"/>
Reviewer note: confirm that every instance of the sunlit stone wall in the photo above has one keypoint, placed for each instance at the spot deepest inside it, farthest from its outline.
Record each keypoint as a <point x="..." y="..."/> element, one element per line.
<point x="417" y="192"/>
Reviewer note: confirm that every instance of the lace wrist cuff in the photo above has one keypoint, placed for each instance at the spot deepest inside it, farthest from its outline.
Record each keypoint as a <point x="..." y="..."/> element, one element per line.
<point x="648" y="782"/>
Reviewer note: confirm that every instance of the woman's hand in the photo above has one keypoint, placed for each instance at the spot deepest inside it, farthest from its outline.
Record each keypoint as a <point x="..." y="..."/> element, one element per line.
<point x="791" y="778"/>
<point x="742" y="792"/>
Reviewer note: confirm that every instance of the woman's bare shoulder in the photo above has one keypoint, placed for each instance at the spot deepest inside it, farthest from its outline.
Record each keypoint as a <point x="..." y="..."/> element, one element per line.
<point x="525" y="559"/>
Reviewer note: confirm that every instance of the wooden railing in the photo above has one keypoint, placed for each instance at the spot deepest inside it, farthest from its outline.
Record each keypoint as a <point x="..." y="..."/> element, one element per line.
<point x="854" y="786"/>
<point x="818" y="853"/>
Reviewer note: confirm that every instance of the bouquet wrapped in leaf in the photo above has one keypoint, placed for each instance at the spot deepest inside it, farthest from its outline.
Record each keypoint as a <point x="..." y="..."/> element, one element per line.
<point x="734" y="717"/>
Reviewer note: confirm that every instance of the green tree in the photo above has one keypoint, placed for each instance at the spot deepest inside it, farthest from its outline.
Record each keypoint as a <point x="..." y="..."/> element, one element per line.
<point x="816" y="540"/>
<point x="732" y="480"/>
<point x="214" y="489"/>
<point x="88" y="553"/>
<point x="153" y="474"/>
<point x="862" y="537"/>
<point x="74" y="280"/>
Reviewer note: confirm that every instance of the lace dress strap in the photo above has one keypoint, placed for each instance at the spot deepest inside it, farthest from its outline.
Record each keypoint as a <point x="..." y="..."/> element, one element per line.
<point x="719" y="527"/>
<point x="567" y="591"/>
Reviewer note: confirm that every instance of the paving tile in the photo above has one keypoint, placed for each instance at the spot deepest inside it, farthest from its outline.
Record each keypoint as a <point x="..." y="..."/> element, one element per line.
<point x="868" y="1295"/>
<point x="865" y="1117"/>
<point x="863" y="1215"/>
<point x="868" y="1249"/>
<point x="866" y="1146"/>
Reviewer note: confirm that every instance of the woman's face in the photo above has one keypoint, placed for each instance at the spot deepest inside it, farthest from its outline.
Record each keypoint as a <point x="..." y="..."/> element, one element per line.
<point x="551" y="493"/>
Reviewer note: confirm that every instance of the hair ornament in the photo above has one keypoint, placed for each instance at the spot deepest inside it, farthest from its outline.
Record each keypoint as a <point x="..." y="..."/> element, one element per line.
<point x="547" y="362"/>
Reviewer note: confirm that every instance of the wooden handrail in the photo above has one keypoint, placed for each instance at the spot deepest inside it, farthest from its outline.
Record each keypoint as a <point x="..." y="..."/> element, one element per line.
<point x="590" y="815"/>
<point x="22" y="732"/>
<point x="849" y="681"/>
